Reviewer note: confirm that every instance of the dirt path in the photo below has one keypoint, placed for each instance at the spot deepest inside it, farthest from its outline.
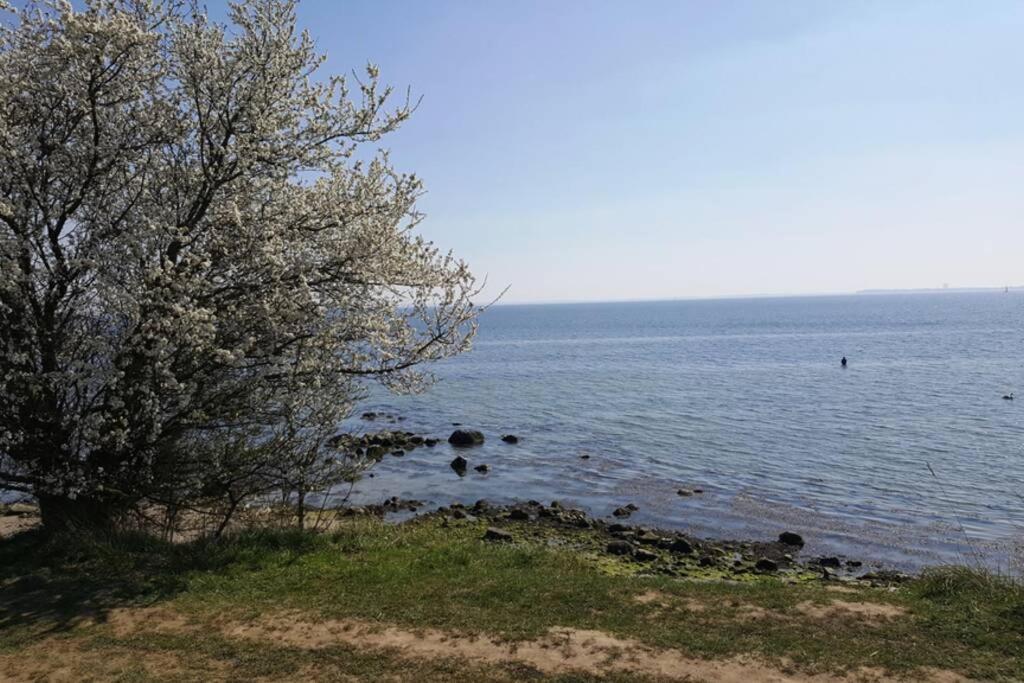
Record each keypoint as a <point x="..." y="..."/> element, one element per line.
<point x="561" y="650"/>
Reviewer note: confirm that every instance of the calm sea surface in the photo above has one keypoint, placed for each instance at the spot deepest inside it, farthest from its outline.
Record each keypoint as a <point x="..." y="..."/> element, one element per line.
<point x="747" y="400"/>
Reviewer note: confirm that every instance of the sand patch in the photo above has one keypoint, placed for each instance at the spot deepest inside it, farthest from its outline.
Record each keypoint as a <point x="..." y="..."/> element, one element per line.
<point x="655" y="597"/>
<point x="866" y="611"/>
<point x="561" y="650"/>
<point x="756" y="613"/>
<point x="128" y="620"/>
<point x="15" y="524"/>
<point x="871" y="611"/>
<point x="659" y="602"/>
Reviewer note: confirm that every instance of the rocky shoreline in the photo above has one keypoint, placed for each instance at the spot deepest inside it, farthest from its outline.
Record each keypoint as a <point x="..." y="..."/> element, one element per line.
<point x="653" y="550"/>
<point x="649" y="550"/>
<point x="646" y="550"/>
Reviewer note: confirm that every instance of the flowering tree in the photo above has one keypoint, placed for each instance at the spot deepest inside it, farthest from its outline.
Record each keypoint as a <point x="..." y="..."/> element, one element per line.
<point x="196" y="250"/>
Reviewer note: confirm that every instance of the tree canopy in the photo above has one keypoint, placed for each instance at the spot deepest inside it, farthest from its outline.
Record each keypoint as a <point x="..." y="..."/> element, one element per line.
<point x="203" y="260"/>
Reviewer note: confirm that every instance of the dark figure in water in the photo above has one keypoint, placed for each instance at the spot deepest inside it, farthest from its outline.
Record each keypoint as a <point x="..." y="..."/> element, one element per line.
<point x="1008" y="397"/>
<point x="843" y="362"/>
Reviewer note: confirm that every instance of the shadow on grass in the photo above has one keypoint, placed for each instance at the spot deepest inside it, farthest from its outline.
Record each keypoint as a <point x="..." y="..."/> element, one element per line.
<point x="49" y="584"/>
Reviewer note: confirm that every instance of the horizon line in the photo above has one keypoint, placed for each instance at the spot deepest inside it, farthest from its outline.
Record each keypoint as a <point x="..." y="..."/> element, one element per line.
<point x="724" y="297"/>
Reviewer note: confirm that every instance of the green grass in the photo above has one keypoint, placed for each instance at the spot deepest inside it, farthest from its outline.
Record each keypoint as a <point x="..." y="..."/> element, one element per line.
<point x="426" y="575"/>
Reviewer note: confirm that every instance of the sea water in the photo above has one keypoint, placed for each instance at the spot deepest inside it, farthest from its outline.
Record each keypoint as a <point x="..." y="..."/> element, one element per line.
<point x="908" y="456"/>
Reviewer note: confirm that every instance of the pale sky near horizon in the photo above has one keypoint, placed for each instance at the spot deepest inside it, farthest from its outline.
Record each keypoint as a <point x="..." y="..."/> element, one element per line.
<point x="609" y="150"/>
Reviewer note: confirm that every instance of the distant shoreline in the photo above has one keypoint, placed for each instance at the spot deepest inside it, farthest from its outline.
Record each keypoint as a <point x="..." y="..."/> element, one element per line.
<point x="945" y="290"/>
<point x="1015" y="289"/>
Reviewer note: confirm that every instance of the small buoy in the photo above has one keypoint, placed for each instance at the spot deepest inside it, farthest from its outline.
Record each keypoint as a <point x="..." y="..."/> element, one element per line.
<point x="843" y="362"/>
<point x="1008" y="397"/>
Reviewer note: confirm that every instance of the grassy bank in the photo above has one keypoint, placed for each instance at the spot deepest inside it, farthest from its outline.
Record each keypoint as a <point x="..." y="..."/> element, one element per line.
<point x="431" y="600"/>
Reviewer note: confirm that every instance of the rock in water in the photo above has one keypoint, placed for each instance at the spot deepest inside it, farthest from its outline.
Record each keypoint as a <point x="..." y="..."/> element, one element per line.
<point x="459" y="464"/>
<point x="482" y="469"/>
<point x="510" y="438"/>
<point x="789" y="538"/>
<point x="495" y="534"/>
<point x="465" y="438"/>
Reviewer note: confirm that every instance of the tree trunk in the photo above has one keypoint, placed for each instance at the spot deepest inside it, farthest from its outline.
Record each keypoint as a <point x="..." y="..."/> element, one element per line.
<point x="226" y="519"/>
<point x="301" y="508"/>
<point x="60" y="513"/>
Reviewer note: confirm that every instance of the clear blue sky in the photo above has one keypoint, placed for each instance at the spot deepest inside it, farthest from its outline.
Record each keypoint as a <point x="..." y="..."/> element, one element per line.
<point x="620" y="150"/>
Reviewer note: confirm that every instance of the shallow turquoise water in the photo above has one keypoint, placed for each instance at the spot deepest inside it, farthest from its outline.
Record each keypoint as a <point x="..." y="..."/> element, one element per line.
<point x="747" y="400"/>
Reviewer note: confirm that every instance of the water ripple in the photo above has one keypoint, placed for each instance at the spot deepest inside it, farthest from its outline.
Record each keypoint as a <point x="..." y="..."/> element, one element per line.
<point x="747" y="400"/>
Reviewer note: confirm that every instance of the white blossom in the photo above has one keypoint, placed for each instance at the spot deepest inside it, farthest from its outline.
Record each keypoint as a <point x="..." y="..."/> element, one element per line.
<point x="191" y="253"/>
